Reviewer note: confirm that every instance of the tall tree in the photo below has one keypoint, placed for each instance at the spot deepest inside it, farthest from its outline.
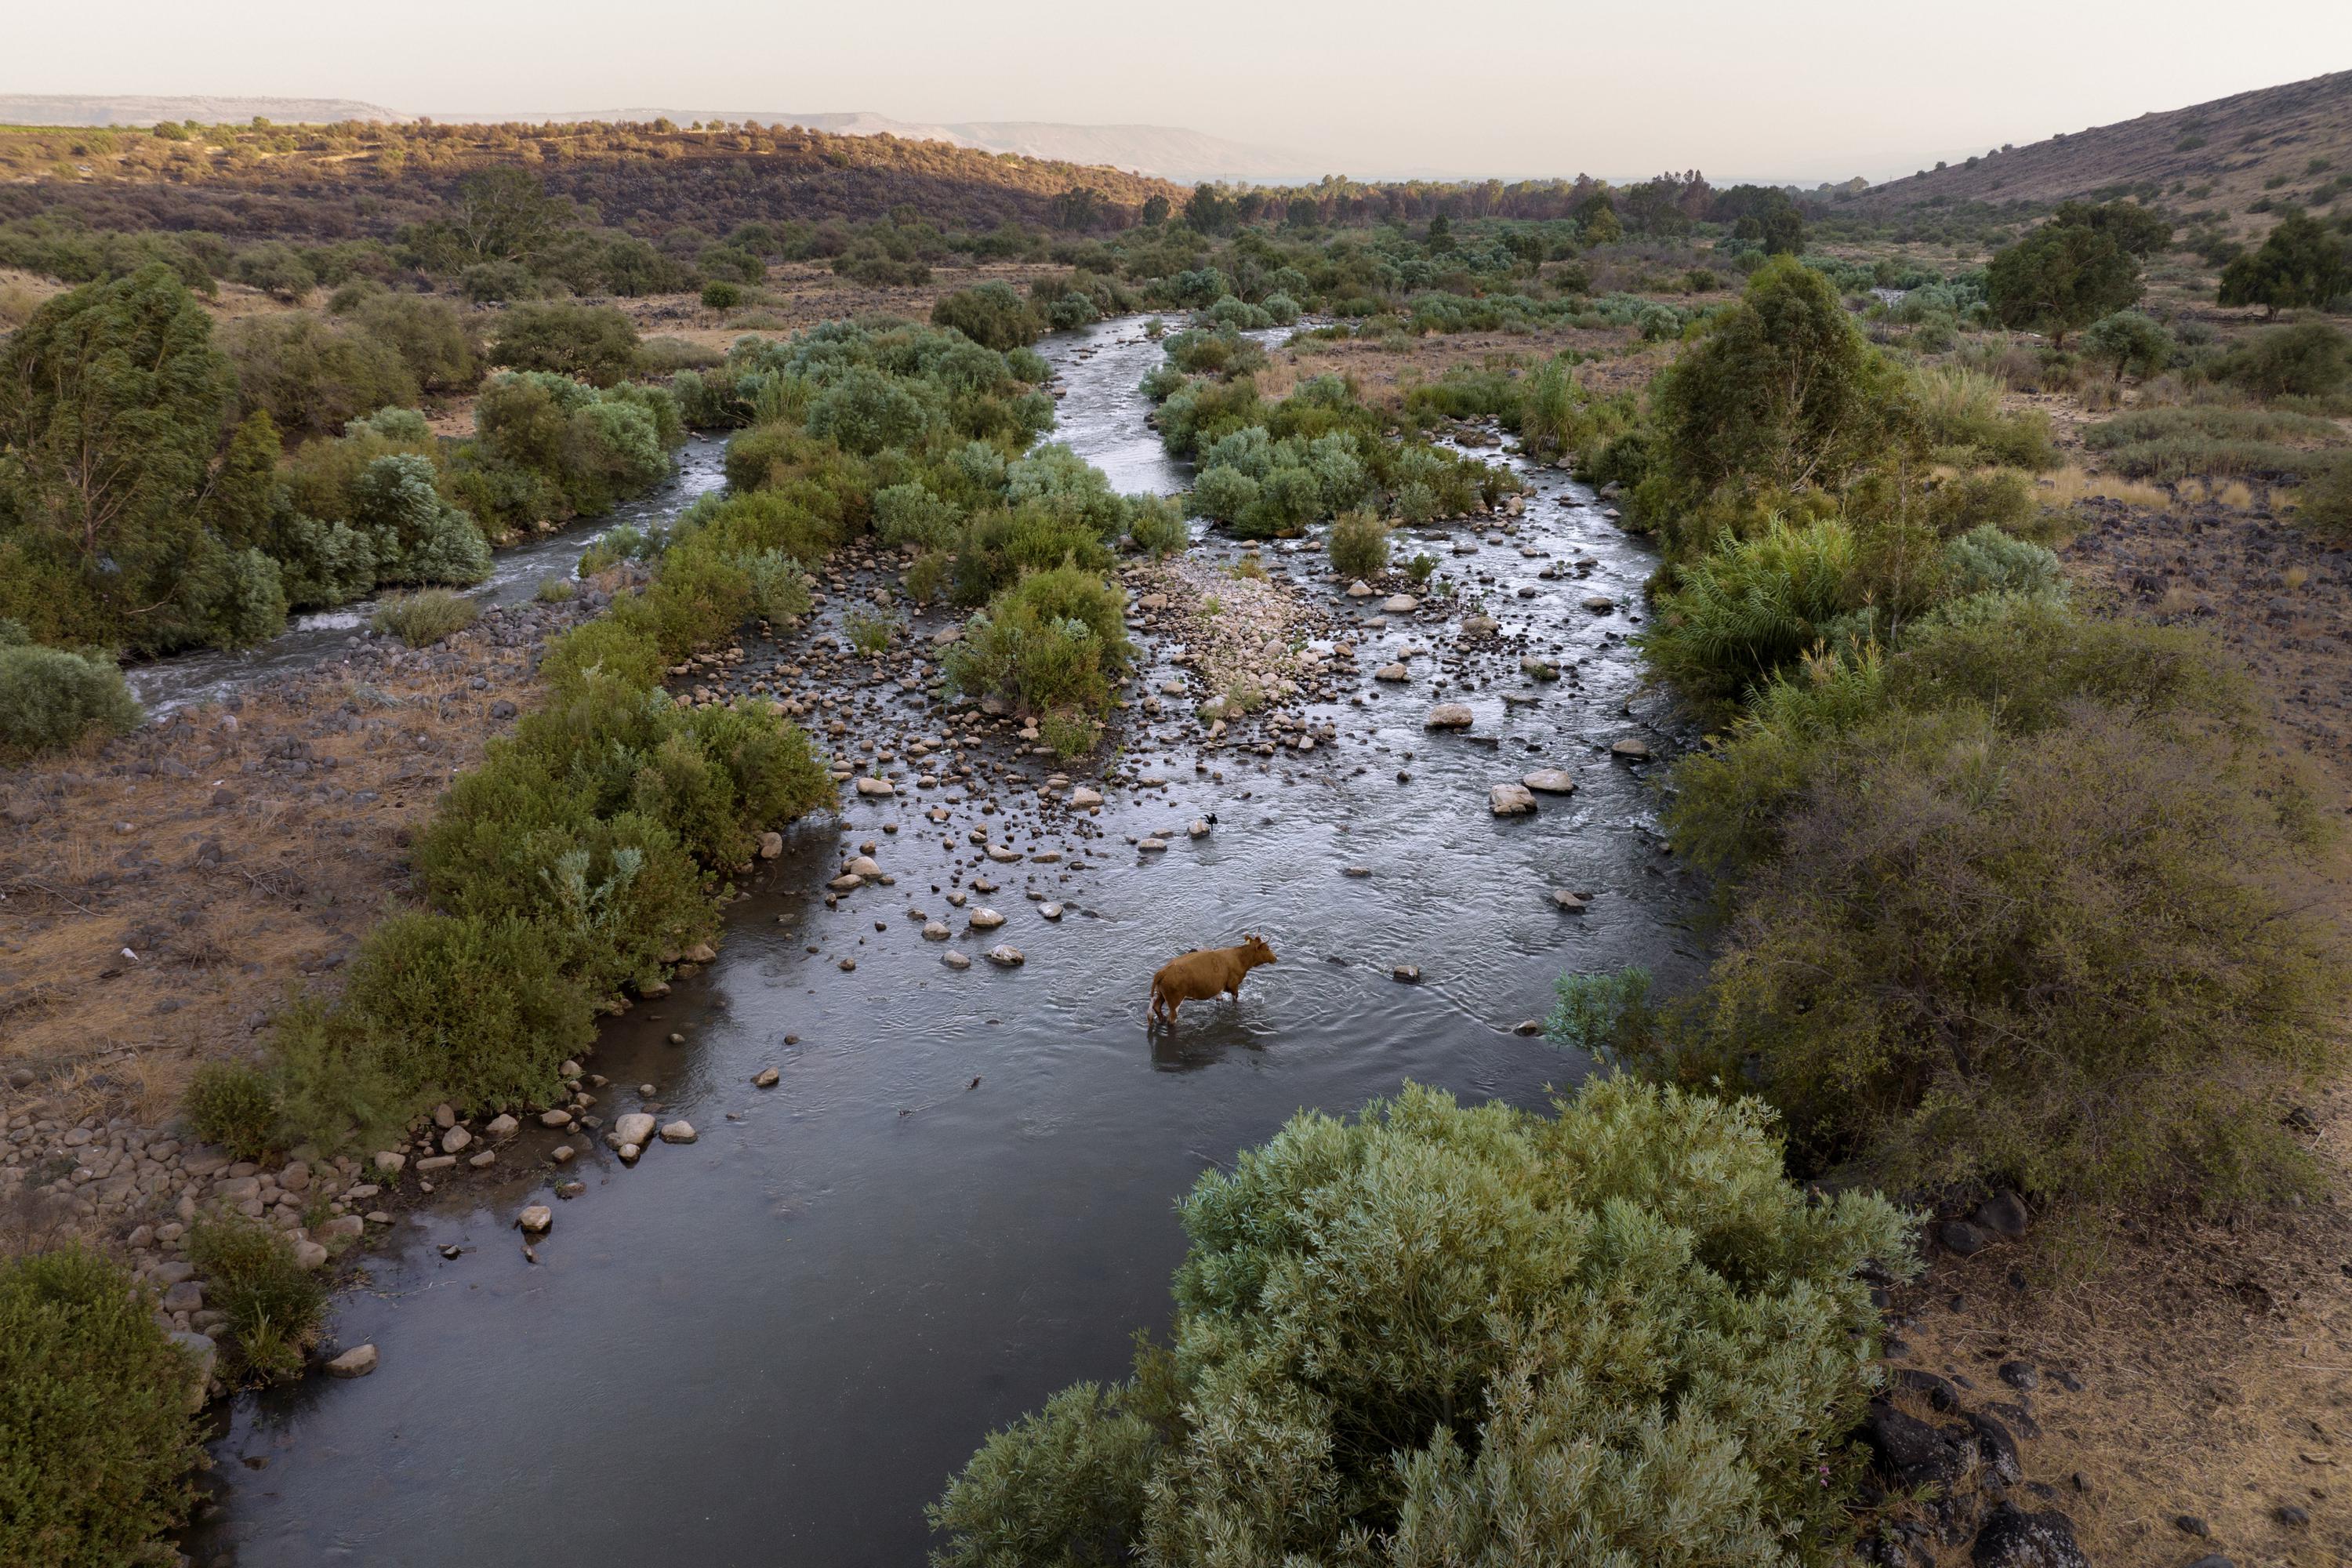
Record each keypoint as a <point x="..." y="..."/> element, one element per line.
<point x="2062" y="276"/>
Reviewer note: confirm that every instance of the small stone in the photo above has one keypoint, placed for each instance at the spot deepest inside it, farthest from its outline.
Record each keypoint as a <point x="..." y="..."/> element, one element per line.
<point x="1449" y="716"/>
<point x="536" y="1219"/>
<point x="1600" y="604"/>
<point x="390" y="1160"/>
<point x="501" y="1126"/>
<point x="934" y="931"/>
<point x="1574" y="903"/>
<point x="1633" y="749"/>
<point x="1399" y="604"/>
<point x="1359" y="589"/>
<point x="1004" y="956"/>
<point x="1407" y="973"/>
<point x="1392" y="672"/>
<point x="771" y="846"/>
<point x="2004" y="1214"/>
<point x="2023" y="1375"/>
<point x="680" y="1131"/>
<point x="1510" y="800"/>
<point x="1549" y="781"/>
<point x="955" y="960"/>
<point x="360" y="1360"/>
<point x="1199" y="829"/>
<point x="985" y="918"/>
<point x="1152" y="846"/>
<point x="635" y="1127"/>
<point x="454" y="1140"/>
<point x="875" y="788"/>
<point x="310" y="1254"/>
<point x="1082" y="798"/>
<point x="563" y="1153"/>
<point x="559" y="1117"/>
<point x="768" y="1078"/>
<point x="1962" y="1237"/>
<point x="1051" y="912"/>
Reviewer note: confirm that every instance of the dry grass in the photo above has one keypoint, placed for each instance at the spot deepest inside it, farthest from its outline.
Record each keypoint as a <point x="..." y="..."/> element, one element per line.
<point x="2073" y="484"/>
<point x="129" y="862"/>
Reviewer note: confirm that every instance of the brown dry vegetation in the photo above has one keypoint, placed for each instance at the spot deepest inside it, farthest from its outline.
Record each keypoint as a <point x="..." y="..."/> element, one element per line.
<point x="332" y="180"/>
<point x="2233" y="147"/>
<point x="227" y="886"/>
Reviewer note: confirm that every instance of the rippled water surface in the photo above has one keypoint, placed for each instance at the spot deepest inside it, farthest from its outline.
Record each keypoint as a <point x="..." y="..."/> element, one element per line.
<point x="774" y="1345"/>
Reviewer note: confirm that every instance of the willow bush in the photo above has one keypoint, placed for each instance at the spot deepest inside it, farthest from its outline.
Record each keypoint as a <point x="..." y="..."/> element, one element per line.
<point x="1435" y="1334"/>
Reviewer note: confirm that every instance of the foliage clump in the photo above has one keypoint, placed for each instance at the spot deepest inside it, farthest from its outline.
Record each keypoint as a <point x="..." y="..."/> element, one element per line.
<point x="95" y="1443"/>
<point x="276" y="1309"/>
<point x="1435" y="1332"/>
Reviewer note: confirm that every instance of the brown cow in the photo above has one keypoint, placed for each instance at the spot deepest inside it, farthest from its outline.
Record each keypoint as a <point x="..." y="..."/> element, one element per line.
<point x="1197" y="976"/>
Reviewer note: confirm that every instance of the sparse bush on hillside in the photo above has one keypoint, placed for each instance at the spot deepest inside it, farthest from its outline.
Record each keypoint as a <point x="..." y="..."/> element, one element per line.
<point x="2309" y="359"/>
<point x="992" y="315"/>
<point x="1397" y="1341"/>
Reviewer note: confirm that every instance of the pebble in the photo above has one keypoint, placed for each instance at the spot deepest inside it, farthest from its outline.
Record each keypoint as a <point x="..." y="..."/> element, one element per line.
<point x="1633" y="749"/>
<point x="679" y="1132"/>
<point x="769" y="1077"/>
<point x="985" y="918"/>
<point x="1004" y="956"/>
<point x="1510" y="800"/>
<point x="537" y="1219"/>
<point x="1449" y="716"/>
<point x="636" y="1127"/>
<point x="1549" y="781"/>
<point x="1408" y="973"/>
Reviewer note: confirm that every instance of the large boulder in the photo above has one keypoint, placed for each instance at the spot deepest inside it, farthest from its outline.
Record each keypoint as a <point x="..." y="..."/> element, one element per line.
<point x="1510" y="800"/>
<point x="1450" y="716"/>
<point x="2013" y="1537"/>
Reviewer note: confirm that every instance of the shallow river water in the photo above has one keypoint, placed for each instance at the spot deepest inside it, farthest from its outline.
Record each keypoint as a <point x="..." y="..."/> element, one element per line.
<point x="774" y="1345"/>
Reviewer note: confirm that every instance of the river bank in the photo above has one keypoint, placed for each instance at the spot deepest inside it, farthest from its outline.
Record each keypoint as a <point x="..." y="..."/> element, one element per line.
<point x="853" y="1273"/>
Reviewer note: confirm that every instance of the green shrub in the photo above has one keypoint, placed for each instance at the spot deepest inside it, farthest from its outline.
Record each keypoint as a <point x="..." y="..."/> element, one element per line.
<point x="95" y="1443"/>
<point x="1054" y="641"/>
<point x="232" y="1104"/>
<point x="780" y="591"/>
<point x="2309" y="359"/>
<point x="1438" y="1334"/>
<point x="421" y="619"/>
<point x="1961" y="411"/>
<point x="1156" y="526"/>
<point x="1998" y="498"/>
<point x="473" y="1010"/>
<point x="594" y="343"/>
<point x="310" y="376"/>
<point x="440" y="346"/>
<point x="718" y="294"/>
<point x="51" y="699"/>
<point x="869" y="634"/>
<point x="992" y="315"/>
<point x="999" y="546"/>
<point x="1986" y="561"/>
<point x="2074" y="964"/>
<point x="2324" y="506"/>
<point x="1752" y="606"/>
<point x="2130" y="341"/>
<point x="555" y="591"/>
<point x="612" y="647"/>
<point x="276" y="1310"/>
<point x="1359" y="544"/>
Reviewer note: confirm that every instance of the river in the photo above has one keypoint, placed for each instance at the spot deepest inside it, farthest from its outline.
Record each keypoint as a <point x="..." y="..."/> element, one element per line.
<point x="774" y="1345"/>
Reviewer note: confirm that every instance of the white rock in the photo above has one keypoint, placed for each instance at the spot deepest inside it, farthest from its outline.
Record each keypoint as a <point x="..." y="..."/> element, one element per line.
<point x="1359" y="589"/>
<point x="1510" y="800"/>
<point x="986" y="918"/>
<point x="1399" y="604"/>
<point x="390" y="1160"/>
<point x="1449" y="716"/>
<point x="1570" y="901"/>
<point x="636" y="1127"/>
<point x="310" y="1254"/>
<point x="771" y="846"/>
<point x="875" y="787"/>
<point x="1082" y="798"/>
<point x="454" y="1140"/>
<point x="1200" y="828"/>
<point x="360" y="1360"/>
<point x="1549" y="781"/>
<point x="1051" y="912"/>
<point x="863" y="865"/>
<point x="1152" y="846"/>
<point x="536" y="1219"/>
<point x="558" y="1117"/>
<point x="501" y="1125"/>
<point x="679" y="1132"/>
<point x="1633" y="749"/>
<point x="955" y="960"/>
<point x="1392" y="672"/>
<point x="934" y="931"/>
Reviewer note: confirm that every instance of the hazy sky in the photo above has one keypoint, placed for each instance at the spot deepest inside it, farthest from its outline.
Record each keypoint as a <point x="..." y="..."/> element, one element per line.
<point x="1799" y="89"/>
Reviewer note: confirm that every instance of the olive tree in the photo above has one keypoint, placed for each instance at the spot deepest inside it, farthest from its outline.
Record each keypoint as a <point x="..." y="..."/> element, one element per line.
<point x="2299" y="264"/>
<point x="2061" y="277"/>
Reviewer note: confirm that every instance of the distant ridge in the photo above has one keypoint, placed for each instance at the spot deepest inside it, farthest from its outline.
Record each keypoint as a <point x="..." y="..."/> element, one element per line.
<point x="1167" y="151"/>
<point x="2285" y="142"/>
<point x="135" y="109"/>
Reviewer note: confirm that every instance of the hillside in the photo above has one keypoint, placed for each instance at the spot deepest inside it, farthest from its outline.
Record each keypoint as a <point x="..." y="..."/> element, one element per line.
<point x="360" y="178"/>
<point x="2281" y="142"/>
<point x="135" y="109"/>
<point x="1169" y="152"/>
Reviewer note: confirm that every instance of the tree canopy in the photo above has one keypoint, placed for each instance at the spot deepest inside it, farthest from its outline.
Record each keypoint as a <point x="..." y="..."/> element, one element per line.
<point x="2062" y="276"/>
<point x="2299" y="264"/>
